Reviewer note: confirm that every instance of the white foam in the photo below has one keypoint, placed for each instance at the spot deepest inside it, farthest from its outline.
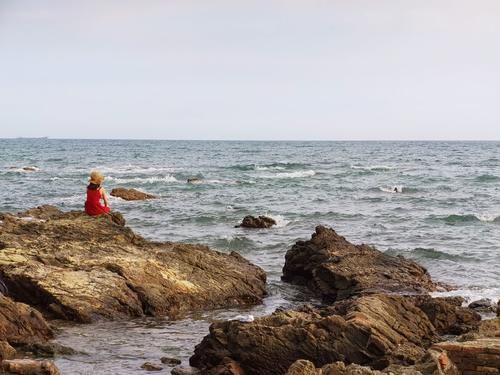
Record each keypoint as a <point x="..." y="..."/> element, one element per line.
<point x="487" y="218"/>
<point x="296" y="174"/>
<point x="280" y="220"/>
<point x="277" y="168"/>
<point x="394" y="189"/>
<point x="144" y="180"/>
<point x="372" y="167"/>
<point x="471" y="295"/>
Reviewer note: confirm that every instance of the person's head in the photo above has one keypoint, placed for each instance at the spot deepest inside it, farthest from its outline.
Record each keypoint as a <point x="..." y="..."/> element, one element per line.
<point x="96" y="177"/>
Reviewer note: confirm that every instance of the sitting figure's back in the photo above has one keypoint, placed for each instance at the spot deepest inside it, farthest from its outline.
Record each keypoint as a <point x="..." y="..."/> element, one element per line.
<point x="95" y="192"/>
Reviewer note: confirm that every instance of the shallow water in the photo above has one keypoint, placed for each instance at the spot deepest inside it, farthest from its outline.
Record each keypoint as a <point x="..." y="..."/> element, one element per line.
<point x="447" y="215"/>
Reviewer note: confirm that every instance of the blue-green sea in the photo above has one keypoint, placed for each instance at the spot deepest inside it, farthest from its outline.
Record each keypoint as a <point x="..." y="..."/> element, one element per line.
<point x="435" y="202"/>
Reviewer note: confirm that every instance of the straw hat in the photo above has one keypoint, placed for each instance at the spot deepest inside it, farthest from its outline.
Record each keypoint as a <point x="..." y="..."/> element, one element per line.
<point x="96" y="177"/>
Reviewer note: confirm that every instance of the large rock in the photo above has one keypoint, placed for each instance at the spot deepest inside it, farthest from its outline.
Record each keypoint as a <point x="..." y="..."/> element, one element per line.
<point x="131" y="194"/>
<point x="447" y="314"/>
<point x="336" y="269"/>
<point x="20" y="324"/>
<point x="77" y="267"/>
<point x="29" y="367"/>
<point x="373" y="330"/>
<point x="261" y="222"/>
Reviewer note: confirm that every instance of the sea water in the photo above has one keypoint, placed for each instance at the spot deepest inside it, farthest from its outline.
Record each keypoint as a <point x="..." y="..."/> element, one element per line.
<point x="435" y="202"/>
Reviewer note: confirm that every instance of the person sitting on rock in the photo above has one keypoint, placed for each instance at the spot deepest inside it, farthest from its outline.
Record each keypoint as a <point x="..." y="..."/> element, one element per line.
<point x="95" y="192"/>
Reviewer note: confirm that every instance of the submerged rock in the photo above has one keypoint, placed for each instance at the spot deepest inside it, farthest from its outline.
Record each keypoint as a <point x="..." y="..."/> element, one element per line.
<point x="336" y="269"/>
<point x="371" y="330"/>
<point x="170" y="361"/>
<point x="256" y="222"/>
<point x="131" y="194"/>
<point x="78" y="267"/>
<point x="148" y="366"/>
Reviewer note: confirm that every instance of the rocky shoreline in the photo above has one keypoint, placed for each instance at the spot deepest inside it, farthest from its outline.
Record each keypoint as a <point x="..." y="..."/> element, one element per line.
<point x="377" y="313"/>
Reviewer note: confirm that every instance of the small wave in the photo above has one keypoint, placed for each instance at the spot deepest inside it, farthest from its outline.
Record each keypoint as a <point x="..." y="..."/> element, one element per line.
<point x="264" y="168"/>
<point x="394" y="189"/>
<point x="230" y="242"/>
<point x="374" y="168"/>
<point x="487" y="178"/>
<point x="267" y="167"/>
<point x="421" y="253"/>
<point x="280" y="220"/>
<point x="469" y="218"/>
<point x="297" y="174"/>
<point x="143" y="180"/>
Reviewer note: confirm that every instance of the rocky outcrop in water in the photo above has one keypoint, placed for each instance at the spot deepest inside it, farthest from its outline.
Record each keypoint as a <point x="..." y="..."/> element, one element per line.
<point x="261" y="222"/>
<point x="336" y="269"/>
<point x="77" y="267"/>
<point x="375" y="330"/>
<point x="131" y="194"/>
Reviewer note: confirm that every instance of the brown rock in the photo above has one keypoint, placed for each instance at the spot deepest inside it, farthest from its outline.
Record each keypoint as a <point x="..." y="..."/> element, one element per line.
<point x="475" y="357"/>
<point x="77" y="267"/>
<point x="336" y="269"/>
<point x="21" y="324"/>
<point x="482" y="305"/>
<point x="256" y="222"/>
<point x="6" y="351"/>
<point x="302" y="367"/>
<point x="131" y="194"/>
<point x="185" y="371"/>
<point x="368" y="333"/>
<point x="447" y="314"/>
<point x="29" y="367"/>
<point x="170" y="361"/>
<point x="148" y="366"/>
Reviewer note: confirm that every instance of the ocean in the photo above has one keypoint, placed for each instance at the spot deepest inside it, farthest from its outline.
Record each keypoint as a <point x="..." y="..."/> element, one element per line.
<point x="435" y="202"/>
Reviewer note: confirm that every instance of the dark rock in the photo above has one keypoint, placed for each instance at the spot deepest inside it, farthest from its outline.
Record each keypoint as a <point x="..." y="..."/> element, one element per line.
<point x="30" y="169"/>
<point x="336" y="269"/>
<point x="482" y="305"/>
<point x="47" y="349"/>
<point x="447" y="314"/>
<point x="6" y="351"/>
<point x="21" y="324"/>
<point x="256" y="222"/>
<point x="29" y="367"/>
<point x="498" y="308"/>
<point x="369" y="333"/>
<point x="148" y="366"/>
<point x="195" y="181"/>
<point x="170" y="361"/>
<point x="76" y="267"/>
<point x="131" y="194"/>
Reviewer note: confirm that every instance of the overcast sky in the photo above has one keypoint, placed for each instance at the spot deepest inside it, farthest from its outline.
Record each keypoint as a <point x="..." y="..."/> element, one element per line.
<point x="270" y="69"/>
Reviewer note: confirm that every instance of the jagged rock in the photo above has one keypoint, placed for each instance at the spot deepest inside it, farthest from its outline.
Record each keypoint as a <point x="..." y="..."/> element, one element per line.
<point x="6" y="351"/>
<point x="29" y="367"/>
<point x="20" y="324"/>
<point x="336" y="269"/>
<point x="475" y="357"/>
<point x="447" y="314"/>
<point x="256" y="222"/>
<point x="369" y="332"/>
<point x="77" y="267"/>
<point x="483" y="305"/>
<point x="148" y="366"/>
<point x="131" y="194"/>
<point x="170" y="361"/>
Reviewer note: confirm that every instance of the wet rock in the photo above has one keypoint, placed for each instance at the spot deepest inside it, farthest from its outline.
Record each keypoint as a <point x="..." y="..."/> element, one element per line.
<point x="47" y="349"/>
<point x="170" y="361"/>
<point x="447" y="314"/>
<point x="131" y="194"/>
<point x="6" y="351"/>
<point x="256" y="222"/>
<point x="185" y="371"/>
<point x="76" y="267"/>
<point x="148" y="366"/>
<point x="336" y="269"/>
<point x="29" y="367"/>
<point x="30" y="169"/>
<point x="20" y="324"/>
<point x="195" y="181"/>
<point x="498" y="308"/>
<point x="482" y="305"/>
<point x="369" y="332"/>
